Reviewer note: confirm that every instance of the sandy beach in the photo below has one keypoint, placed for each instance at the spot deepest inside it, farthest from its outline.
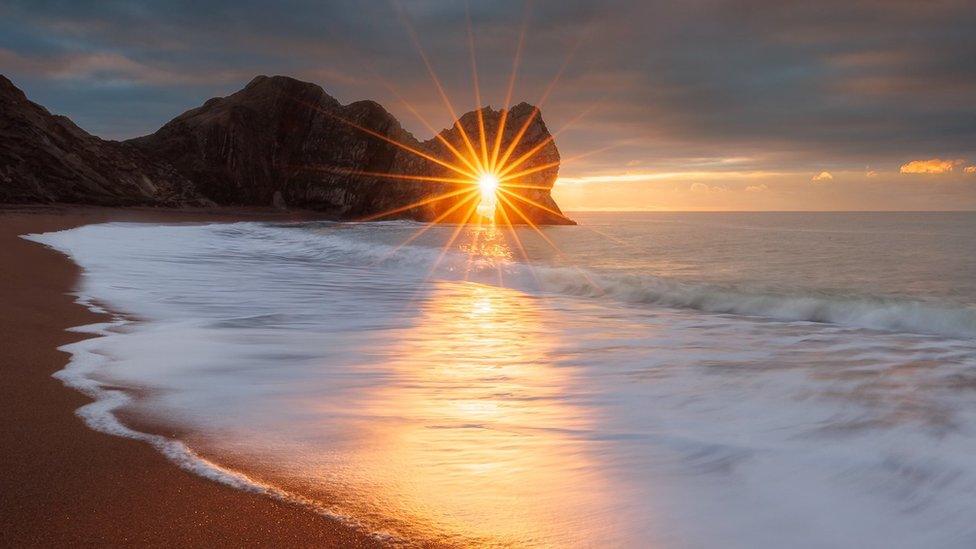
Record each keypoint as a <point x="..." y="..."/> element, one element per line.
<point x="64" y="484"/>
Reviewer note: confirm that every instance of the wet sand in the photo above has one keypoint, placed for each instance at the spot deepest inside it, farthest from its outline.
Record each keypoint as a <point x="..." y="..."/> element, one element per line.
<point x="64" y="484"/>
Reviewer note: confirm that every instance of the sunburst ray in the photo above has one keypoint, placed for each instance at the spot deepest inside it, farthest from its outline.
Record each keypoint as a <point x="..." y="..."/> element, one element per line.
<point x="417" y="234"/>
<point x="549" y="241"/>
<point x="516" y="61"/>
<point x="416" y="114"/>
<point x="417" y="204"/>
<point x="457" y="231"/>
<point x="482" y="140"/>
<point x="510" y="185"/>
<point x="513" y="231"/>
<point x="338" y="170"/>
<point x="506" y="180"/>
<point x="528" y="221"/>
<point x="392" y="141"/>
<point x="405" y="19"/>
<point x="529" y="171"/>
<point x="538" y="147"/>
<point x="535" y="204"/>
<point x="517" y="139"/>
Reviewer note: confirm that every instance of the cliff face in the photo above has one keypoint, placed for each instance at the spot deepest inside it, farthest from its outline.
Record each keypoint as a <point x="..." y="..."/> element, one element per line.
<point x="278" y="141"/>
<point x="46" y="158"/>
<point x="283" y="141"/>
<point x="279" y="136"/>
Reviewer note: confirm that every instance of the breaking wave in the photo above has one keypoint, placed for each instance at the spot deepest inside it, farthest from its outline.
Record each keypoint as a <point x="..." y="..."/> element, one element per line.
<point x="876" y="313"/>
<point x="859" y="311"/>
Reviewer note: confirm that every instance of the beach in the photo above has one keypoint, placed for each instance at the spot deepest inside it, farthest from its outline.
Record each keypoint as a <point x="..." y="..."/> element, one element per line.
<point x="64" y="484"/>
<point x="704" y="381"/>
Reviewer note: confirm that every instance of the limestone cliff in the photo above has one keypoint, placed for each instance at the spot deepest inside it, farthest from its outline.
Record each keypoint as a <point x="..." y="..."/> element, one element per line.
<point x="278" y="141"/>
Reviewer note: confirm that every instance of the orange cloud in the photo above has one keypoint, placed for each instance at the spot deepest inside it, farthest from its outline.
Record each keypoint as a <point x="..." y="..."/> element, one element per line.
<point x="970" y="169"/>
<point x="757" y="188"/>
<point x="930" y="166"/>
<point x="822" y="176"/>
<point x="871" y="173"/>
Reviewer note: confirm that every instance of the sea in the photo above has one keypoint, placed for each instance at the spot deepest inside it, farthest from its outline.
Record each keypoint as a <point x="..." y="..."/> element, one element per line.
<point x="734" y="380"/>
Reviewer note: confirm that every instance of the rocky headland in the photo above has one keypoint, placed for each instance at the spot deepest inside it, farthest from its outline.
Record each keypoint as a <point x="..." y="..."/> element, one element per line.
<point x="277" y="142"/>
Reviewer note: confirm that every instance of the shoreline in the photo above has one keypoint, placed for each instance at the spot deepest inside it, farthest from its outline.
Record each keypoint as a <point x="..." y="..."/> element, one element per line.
<point x="64" y="483"/>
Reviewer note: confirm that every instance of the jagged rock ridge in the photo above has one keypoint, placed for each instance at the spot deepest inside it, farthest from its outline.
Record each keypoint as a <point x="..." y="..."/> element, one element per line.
<point x="283" y="142"/>
<point x="47" y="158"/>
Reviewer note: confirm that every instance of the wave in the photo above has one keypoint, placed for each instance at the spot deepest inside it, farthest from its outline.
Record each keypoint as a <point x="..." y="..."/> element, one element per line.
<point x="100" y="415"/>
<point x="336" y="245"/>
<point x="859" y="311"/>
<point x="877" y="313"/>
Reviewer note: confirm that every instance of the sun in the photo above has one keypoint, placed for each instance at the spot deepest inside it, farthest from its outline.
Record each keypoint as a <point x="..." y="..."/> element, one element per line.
<point x="488" y="185"/>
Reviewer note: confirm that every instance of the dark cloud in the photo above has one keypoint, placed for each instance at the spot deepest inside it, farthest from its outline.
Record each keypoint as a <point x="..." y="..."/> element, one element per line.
<point x="826" y="85"/>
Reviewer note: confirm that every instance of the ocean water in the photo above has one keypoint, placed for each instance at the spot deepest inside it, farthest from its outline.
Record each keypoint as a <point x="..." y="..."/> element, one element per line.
<point x="641" y="380"/>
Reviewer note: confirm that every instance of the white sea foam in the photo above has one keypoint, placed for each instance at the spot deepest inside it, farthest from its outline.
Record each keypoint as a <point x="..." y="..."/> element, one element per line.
<point x="81" y="374"/>
<point x="879" y="313"/>
<point x="580" y="406"/>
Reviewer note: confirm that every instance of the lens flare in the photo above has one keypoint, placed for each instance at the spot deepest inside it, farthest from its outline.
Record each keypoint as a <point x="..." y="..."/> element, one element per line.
<point x="488" y="187"/>
<point x="488" y="183"/>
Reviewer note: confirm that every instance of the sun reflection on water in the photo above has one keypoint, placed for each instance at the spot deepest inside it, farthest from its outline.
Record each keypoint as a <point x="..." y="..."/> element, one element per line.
<point x="459" y="425"/>
<point x="483" y="445"/>
<point x="486" y="246"/>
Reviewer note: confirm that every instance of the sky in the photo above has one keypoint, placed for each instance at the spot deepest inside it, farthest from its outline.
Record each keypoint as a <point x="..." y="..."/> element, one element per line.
<point x="691" y="105"/>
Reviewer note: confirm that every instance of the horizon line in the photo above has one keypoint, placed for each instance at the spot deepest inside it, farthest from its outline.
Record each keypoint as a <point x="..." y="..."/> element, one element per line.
<point x="610" y="210"/>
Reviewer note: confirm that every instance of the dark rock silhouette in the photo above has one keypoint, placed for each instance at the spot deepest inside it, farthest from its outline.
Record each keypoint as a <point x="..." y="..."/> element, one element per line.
<point x="278" y="142"/>
<point x="47" y="158"/>
<point x="532" y="198"/>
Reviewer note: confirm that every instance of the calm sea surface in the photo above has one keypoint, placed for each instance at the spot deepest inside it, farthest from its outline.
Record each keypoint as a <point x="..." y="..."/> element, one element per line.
<point x="644" y="380"/>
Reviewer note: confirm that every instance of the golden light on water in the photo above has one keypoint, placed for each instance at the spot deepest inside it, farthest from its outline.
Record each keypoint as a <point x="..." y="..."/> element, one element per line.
<point x="465" y="460"/>
<point x="461" y="434"/>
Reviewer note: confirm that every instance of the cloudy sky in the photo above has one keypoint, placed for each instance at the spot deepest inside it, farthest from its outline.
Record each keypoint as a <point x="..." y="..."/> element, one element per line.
<point x="685" y="105"/>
